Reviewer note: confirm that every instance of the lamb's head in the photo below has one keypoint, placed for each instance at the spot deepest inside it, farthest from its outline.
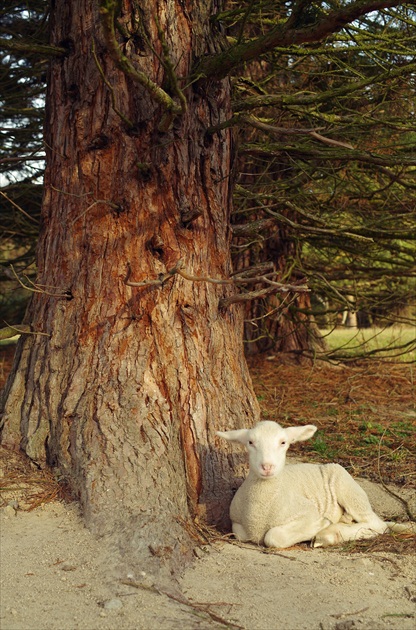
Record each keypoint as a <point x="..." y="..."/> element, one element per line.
<point x="267" y="444"/>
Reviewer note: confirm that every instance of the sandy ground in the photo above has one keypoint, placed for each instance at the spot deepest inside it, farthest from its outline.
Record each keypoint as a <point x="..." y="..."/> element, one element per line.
<point x="56" y="576"/>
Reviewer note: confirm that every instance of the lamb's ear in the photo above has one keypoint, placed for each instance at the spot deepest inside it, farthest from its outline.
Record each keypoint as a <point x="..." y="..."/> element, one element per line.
<point x="300" y="434"/>
<point x="239" y="435"/>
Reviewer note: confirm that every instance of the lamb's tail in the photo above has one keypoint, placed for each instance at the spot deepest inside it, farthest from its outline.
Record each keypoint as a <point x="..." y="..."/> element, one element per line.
<point x="401" y="528"/>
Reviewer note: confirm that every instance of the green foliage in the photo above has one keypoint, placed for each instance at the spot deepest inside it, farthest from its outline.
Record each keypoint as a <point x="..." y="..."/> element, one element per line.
<point x="22" y="91"/>
<point x="327" y="153"/>
<point x="320" y="446"/>
<point x="22" y="94"/>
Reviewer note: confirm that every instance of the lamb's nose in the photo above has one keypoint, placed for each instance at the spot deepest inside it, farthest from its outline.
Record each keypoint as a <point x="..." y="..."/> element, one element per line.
<point x="267" y="468"/>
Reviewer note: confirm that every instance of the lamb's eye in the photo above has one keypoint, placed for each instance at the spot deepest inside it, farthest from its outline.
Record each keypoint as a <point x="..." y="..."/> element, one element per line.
<point x="250" y="443"/>
<point x="283" y="443"/>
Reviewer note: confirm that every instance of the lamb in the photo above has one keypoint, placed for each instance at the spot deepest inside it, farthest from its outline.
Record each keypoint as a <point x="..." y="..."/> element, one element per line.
<point x="279" y="506"/>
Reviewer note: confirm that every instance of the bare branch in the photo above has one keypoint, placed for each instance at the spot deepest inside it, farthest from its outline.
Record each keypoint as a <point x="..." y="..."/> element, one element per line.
<point x="236" y="280"/>
<point x="258" y="124"/>
<point x="246" y="297"/>
<point x="110" y="87"/>
<point x="330" y="141"/>
<point x="284" y="288"/>
<point x="37" y="288"/>
<point x="306" y="98"/>
<point x="19" y="329"/>
<point x="275" y="150"/>
<point x="156" y="282"/>
<point x="18" y="207"/>
<point x="27" y="47"/>
<point x="170" y="69"/>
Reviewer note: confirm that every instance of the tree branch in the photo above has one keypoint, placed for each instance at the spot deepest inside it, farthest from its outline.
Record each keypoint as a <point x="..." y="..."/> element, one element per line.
<point x="170" y="69"/>
<point x="14" y="46"/>
<point x="220" y="65"/>
<point x="107" y="10"/>
<point x="20" y="329"/>
<point x="237" y="279"/>
<point x="110" y="87"/>
<point x="305" y="152"/>
<point x="19" y="208"/>
<point x="262" y="126"/>
<point x="38" y="288"/>
<point x="281" y="100"/>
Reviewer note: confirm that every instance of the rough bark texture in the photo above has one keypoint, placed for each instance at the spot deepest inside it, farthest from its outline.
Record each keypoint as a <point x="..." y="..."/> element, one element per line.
<point x="126" y="391"/>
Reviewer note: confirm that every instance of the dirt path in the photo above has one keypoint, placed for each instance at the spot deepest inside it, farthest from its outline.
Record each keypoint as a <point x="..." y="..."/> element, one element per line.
<point x="56" y="576"/>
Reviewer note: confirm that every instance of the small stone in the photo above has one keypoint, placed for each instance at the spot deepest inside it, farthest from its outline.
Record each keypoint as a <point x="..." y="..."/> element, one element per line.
<point x="200" y="552"/>
<point x="8" y="511"/>
<point x="113" y="604"/>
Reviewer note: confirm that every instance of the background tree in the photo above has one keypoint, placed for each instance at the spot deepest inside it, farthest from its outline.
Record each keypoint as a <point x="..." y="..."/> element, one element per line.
<point x="136" y="355"/>
<point x="326" y="188"/>
<point x="23" y="67"/>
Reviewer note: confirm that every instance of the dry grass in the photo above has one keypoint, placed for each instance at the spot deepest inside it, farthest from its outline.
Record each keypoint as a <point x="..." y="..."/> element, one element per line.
<point x="366" y="413"/>
<point x="23" y="482"/>
<point x="403" y="543"/>
<point x="387" y="543"/>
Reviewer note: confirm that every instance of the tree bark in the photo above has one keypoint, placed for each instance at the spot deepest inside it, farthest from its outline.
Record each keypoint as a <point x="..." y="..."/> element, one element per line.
<point x="124" y="393"/>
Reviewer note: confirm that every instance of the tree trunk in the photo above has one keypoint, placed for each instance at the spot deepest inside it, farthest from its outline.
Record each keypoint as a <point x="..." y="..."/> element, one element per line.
<point x="125" y="387"/>
<point x="282" y="322"/>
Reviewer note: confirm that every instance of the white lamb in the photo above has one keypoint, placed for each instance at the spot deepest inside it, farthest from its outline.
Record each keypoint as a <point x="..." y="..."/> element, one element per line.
<point x="279" y="505"/>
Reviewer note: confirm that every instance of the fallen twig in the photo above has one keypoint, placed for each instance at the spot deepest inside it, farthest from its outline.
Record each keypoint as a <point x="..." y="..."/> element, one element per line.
<point x="181" y="599"/>
<point x="349" y="614"/>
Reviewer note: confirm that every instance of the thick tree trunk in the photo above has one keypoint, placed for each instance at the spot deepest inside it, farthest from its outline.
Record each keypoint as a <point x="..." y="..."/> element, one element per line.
<point x="125" y="388"/>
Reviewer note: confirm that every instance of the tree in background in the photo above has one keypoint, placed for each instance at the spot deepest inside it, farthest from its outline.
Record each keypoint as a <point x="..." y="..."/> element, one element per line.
<point x="23" y="67"/>
<point x="326" y="188"/>
<point x="136" y="356"/>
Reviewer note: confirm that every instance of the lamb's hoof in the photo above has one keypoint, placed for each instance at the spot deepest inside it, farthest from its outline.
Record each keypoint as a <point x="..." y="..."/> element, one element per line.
<point x="326" y="539"/>
<point x="319" y="543"/>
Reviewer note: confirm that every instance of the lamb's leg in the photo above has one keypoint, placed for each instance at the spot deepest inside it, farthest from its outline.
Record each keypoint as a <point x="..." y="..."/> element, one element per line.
<point x="295" y="532"/>
<point x="350" y="496"/>
<point x="342" y="532"/>
<point x="239" y="532"/>
<point x="354" y="501"/>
